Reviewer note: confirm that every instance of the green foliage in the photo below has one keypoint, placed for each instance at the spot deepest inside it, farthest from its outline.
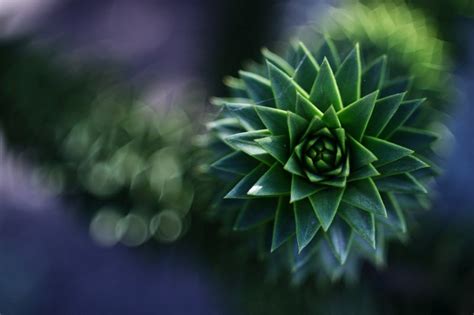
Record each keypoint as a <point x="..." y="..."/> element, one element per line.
<point x="134" y="168"/>
<point x="327" y="169"/>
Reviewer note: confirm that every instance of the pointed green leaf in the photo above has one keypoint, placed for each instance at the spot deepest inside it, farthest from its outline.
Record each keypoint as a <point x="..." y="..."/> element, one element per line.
<point x="355" y="117"/>
<point x="236" y="163"/>
<point x="374" y="76"/>
<point x="359" y="155"/>
<point x="328" y="50"/>
<point x="256" y="212"/>
<point x="296" y="127"/>
<point x="385" y="151"/>
<point x="363" y="223"/>
<point x="284" y="88"/>
<point x="325" y="92"/>
<point x="307" y="223"/>
<point x="302" y="188"/>
<point x="364" y="194"/>
<point x="245" y="142"/>
<point x="395" y="218"/>
<point x="274" y="119"/>
<point x="414" y="139"/>
<point x="407" y="164"/>
<point x="275" y="182"/>
<point x="258" y="88"/>
<point x="363" y="172"/>
<point x="236" y="87"/>
<point x="306" y="109"/>
<point x="405" y="110"/>
<point x="246" y="114"/>
<point x="284" y="225"/>
<point x="278" y="61"/>
<point x="403" y="183"/>
<point x="384" y="110"/>
<point x="307" y="68"/>
<point x="331" y="119"/>
<point x="339" y="238"/>
<point x="396" y="86"/>
<point x="242" y="187"/>
<point x="348" y="77"/>
<point x="276" y="146"/>
<point x="325" y="204"/>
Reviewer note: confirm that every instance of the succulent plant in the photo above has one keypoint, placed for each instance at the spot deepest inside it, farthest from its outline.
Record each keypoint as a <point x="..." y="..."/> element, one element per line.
<point x="321" y="159"/>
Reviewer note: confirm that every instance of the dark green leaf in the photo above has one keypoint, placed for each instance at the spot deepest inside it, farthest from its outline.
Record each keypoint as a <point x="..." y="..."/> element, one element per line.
<point x="385" y="151"/>
<point x="275" y="182"/>
<point x="384" y="110"/>
<point x="274" y="119"/>
<point x="355" y="117"/>
<point x="245" y="142"/>
<point x="363" y="172"/>
<point x="328" y="50"/>
<point x="325" y="204"/>
<point x="374" y="76"/>
<point x="242" y="187"/>
<point x="307" y="68"/>
<point x="407" y="164"/>
<point x="259" y="88"/>
<point x="278" y="61"/>
<point x="405" y="110"/>
<point x="325" y="92"/>
<point x="404" y="183"/>
<point x="414" y="139"/>
<point x="305" y="108"/>
<point x="284" y="225"/>
<point x="360" y="156"/>
<point x="395" y="217"/>
<point x="330" y="118"/>
<point x="363" y="223"/>
<point x="293" y="165"/>
<point x="307" y="223"/>
<point x="302" y="188"/>
<point x="246" y="114"/>
<point x="296" y="127"/>
<point x="348" y="77"/>
<point x="339" y="238"/>
<point x="256" y="212"/>
<point x="237" y="163"/>
<point x="284" y="88"/>
<point x="396" y="86"/>
<point x="364" y="194"/>
<point x="276" y="146"/>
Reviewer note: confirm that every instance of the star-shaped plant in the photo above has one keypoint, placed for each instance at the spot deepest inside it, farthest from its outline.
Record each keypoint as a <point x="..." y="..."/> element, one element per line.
<point x="321" y="151"/>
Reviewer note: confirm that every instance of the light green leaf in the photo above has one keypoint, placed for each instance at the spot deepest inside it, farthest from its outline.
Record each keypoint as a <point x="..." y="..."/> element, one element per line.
<point x="374" y="75"/>
<point x="302" y="188"/>
<point x="340" y="238"/>
<point x="307" y="68"/>
<point x="258" y="88"/>
<point x="242" y="187"/>
<point x="407" y="164"/>
<point x="363" y="223"/>
<point x="255" y="212"/>
<point x="284" y="225"/>
<point x="276" y="146"/>
<point x="364" y="194"/>
<point x="325" y="204"/>
<point x="275" y="182"/>
<point x="307" y="224"/>
<point x="405" y="110"/>
<point x="355" y="117"/>
<point x="236" y="163"/>
<point x="325" y="92"/>
<point x="384" y="110"/>
<point x="385" y="151"/>
<point x="348" y="77"/>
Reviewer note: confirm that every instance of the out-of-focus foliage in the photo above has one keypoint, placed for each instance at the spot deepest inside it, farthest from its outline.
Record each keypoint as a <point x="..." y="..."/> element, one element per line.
<point x="405" y="34"/>
<point x="135" y="167"/>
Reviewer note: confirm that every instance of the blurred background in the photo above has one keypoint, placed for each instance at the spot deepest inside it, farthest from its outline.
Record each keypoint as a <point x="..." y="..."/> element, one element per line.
<point x="51" y="262"/>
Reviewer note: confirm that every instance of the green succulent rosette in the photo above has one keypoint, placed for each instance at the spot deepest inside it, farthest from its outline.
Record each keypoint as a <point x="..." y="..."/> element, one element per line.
<point x="320" y="159"/>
